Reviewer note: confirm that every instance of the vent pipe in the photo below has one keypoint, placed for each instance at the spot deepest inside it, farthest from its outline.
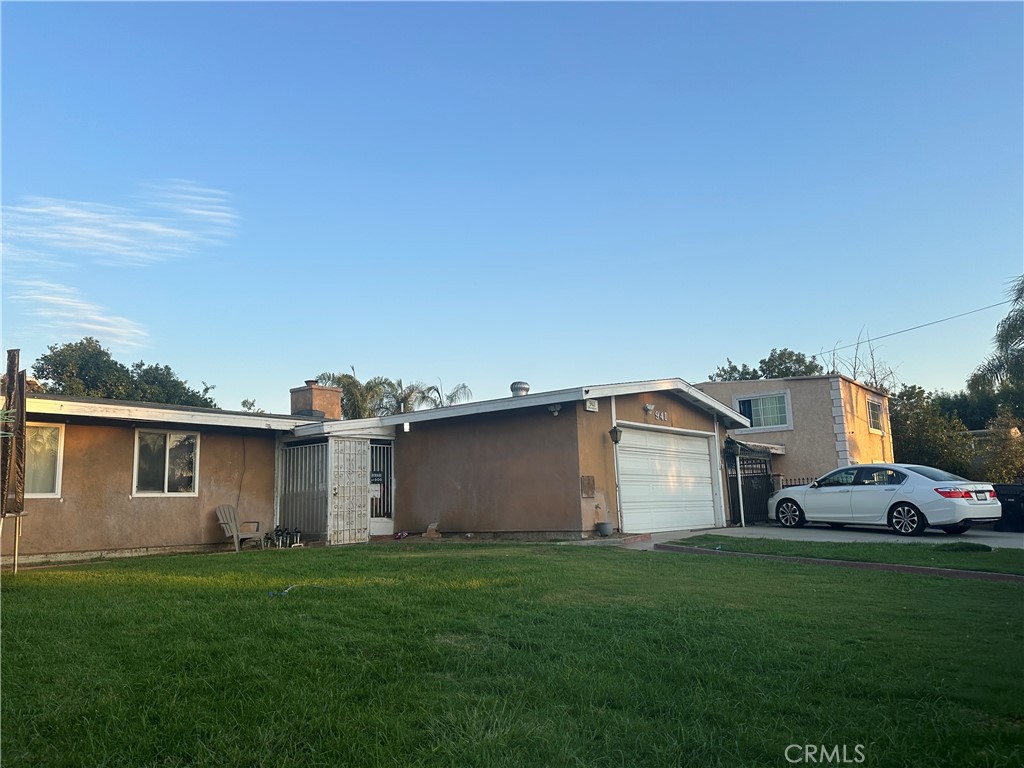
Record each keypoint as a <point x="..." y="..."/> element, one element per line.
<point x="520" y="388"/>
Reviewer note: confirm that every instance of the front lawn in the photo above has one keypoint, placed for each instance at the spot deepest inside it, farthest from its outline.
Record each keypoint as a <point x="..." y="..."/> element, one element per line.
<point x="487" y="654"/>
<point x="956" y="554"/>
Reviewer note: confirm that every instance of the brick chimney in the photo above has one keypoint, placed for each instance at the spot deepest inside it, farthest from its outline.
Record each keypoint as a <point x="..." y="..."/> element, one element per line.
<point x="312" y="399"/>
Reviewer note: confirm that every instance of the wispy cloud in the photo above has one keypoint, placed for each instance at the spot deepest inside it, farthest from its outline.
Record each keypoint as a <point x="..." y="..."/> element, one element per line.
<point x="59" y="311"/>
<point x="169" y="220"/>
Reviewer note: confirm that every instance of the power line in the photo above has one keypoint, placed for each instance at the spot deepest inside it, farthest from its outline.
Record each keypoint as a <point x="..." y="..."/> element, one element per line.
<point x="924" y="325"/>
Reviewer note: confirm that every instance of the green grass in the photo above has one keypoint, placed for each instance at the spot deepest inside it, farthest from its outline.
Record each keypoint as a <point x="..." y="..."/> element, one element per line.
<point x="956" y="554"/>
<point x="502" y="655"/>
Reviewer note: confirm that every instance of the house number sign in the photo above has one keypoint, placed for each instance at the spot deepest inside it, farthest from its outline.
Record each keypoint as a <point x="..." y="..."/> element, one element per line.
<point x="661" y="415"/>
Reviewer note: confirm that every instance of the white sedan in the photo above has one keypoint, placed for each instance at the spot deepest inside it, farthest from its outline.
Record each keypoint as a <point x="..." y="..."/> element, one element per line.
<point x="906" y="497"/>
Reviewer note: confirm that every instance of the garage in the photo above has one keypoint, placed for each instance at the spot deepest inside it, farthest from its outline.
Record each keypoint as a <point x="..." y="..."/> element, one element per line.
<point x="666" y="481"/>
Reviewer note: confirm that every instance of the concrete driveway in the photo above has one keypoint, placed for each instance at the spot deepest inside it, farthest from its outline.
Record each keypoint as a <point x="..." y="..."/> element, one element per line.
<point x="812" y="532"/>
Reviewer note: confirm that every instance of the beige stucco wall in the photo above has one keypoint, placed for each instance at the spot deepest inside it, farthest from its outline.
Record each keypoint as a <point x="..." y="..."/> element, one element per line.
<point x="824" y="411"/>
<point x="865" y="445"/>
<point x="96" y="512"/>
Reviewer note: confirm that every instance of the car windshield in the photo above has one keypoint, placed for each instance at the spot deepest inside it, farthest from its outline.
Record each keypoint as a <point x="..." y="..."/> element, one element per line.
<point x="936" y="474"/>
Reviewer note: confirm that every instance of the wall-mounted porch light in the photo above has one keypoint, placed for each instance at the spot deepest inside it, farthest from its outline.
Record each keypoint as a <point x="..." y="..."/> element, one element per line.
<point x="616" y="434"/>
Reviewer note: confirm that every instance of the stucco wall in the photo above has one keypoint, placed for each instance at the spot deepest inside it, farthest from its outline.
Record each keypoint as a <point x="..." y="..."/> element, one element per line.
<point x="504" y="472"/>
<point x="827" y="430"/>
<point x="597" y="461"/>
<point x="865" y="444"/>
<point x="524" y="470"/>
<point x="596" y="455"/>
<point x="96" y="512"/>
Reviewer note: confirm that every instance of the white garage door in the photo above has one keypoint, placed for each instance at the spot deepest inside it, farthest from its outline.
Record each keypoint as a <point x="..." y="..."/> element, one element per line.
<point x="665" y="481"/>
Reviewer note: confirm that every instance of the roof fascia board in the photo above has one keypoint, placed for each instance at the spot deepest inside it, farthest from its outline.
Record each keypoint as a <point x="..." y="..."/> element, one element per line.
<point x="487" y="406"/>
<point x="354" y="428"/>
<point x="116" y="412"/>
<point x="678" y="387"/>
<point x="686" y="391"/>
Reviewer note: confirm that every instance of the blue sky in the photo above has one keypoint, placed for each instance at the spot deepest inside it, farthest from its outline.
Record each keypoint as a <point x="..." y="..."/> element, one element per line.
<point x="570" y="194"/>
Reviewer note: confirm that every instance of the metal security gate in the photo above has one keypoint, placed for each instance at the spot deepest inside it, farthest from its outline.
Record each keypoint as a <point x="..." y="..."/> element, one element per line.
<point x="341" y="491"/>
<point x="756" y="479"/>
<point x="302" y="490"/>
<point x="382" y="488"/>
<point x="348" y="519"/>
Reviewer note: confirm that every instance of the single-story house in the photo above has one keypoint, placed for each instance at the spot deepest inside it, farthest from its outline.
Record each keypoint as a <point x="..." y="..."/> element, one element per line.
<point x="136" y="478"/>
<point x="110" y="476"/>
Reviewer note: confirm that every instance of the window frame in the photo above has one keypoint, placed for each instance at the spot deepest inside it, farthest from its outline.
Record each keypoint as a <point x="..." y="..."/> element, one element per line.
<point x="836" y="473"/>
<point x="897" y="477"/>
<point x="165" y="494"/>
<point x="880" y="429"/>
<point x="784" y="393"/>
<point x="60" y="460"/>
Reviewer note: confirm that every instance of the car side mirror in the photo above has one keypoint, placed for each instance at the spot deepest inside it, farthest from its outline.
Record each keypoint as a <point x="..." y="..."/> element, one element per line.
<point x="813" y="485"/>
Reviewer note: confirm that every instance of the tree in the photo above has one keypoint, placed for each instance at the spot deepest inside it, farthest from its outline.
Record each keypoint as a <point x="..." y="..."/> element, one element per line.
<point x="731" y="372"/>
<point x="1001" y="451"/>
<point x="779" y="364"/>
<point x="922" y="434"/>
<point x="401" y="398"/>
<point x="435" y="396"/>
<point x="85" y="369"/>
<point x="785" y="363"/>
<point x="381" y="396"/>
<point x="359" y="400"/>
<point x="1006" y="363"/>
<point x="249" y="405"/>
<point x="864" y="366"/>
<point x="981" y="402"/>
<point x="159" y="384"/>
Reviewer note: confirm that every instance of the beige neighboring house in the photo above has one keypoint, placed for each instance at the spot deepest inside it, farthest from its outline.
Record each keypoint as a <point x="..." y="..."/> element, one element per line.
<point x="810" y="424"/>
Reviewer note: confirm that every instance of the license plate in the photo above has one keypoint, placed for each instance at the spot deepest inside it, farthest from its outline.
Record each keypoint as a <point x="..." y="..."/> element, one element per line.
<point x="981" y="495"/>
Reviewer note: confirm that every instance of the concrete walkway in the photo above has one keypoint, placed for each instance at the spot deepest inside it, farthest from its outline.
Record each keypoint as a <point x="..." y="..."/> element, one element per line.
<point x="984" y="535"/>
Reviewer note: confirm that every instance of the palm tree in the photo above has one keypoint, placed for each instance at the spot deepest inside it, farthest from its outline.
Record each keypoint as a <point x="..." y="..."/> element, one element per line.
<point x="359" y="400"/>
<point x="1007" y="361"/>
<point x="435" y="396"/>
<point x="401" y="398"/>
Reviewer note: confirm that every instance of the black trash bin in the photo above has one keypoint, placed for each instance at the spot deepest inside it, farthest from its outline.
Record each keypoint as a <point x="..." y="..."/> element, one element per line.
<point x="1011" y="497"/>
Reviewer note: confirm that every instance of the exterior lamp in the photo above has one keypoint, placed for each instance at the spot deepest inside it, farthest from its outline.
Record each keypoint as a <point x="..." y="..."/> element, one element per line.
<point x="616" y="434"/>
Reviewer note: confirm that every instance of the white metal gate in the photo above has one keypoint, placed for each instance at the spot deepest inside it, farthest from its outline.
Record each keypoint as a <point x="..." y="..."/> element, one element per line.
<point x="347" y="515"/>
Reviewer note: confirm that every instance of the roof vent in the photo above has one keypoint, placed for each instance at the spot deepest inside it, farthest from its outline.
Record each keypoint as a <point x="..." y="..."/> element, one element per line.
<point x="519" y="388"/>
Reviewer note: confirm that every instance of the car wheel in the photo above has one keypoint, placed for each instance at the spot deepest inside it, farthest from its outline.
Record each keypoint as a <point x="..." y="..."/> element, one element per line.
<point x="907" y="520"/>
<point x="956" y="530"/>
<point x="789" y="514"/>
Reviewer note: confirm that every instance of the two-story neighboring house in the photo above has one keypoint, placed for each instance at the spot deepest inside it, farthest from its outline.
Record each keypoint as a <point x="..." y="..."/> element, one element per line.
<point x="810" y="424"/>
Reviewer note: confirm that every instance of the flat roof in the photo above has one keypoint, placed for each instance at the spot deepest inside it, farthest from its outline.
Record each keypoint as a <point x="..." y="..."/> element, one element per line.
<point x="125" y="410"/>
<point x="681" y="389"/>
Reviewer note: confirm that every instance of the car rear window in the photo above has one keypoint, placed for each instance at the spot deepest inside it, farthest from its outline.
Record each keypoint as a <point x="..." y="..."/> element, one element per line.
<point x="936" y="474"/>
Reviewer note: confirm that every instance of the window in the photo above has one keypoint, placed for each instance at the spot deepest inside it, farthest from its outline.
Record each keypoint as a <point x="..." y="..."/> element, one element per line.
<point x="875" y="415"/>
<point x="936" y="474"/>
<point x="166" y="463"/>
<point x="880" y="476"/>
<point x="765" y="412"/>
<point x="44" y="451"/>
<point x="839" y="478"/>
